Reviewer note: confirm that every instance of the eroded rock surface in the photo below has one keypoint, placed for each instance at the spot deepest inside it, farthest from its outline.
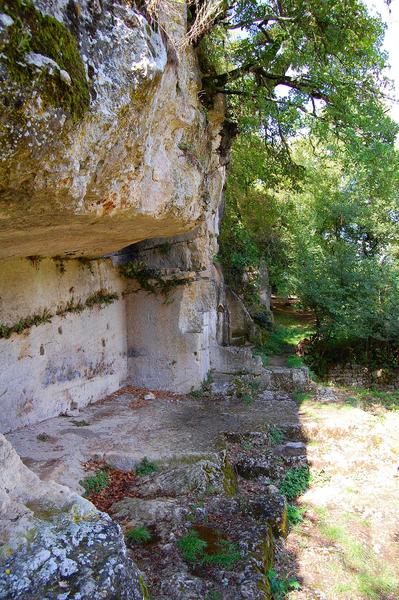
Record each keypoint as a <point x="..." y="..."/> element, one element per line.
<point x="55" y="544"/>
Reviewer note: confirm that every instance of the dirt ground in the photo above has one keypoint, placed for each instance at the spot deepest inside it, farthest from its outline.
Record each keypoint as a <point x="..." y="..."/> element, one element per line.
<point x="347" y="545"/>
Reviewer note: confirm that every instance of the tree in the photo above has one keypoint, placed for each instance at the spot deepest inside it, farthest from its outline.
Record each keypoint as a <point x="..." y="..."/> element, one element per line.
<point x="301" y="63"/>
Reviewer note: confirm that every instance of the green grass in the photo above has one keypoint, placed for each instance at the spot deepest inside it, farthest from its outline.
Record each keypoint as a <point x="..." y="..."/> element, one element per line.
<point x="295" y="483"/>
<point x="146" y="467"/>
<point x="286" y="334"/>
<point x="192" y="547"/>
<point x="301" y="397"/>
<point x="295" y="514"/>
<point x="93" y="484"/>
<point x="294" y="362"/>
<point x="138" y="535"/>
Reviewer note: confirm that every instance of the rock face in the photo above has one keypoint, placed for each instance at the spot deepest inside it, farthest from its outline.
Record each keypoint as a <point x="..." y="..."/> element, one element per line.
<point x="55" y="544"/>
<point x="103" y="140"/>
<point x="107" y="156"/>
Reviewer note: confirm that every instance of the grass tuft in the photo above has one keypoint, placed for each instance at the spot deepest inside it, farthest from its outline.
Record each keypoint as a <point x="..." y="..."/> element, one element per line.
<point x="138" y="535"/>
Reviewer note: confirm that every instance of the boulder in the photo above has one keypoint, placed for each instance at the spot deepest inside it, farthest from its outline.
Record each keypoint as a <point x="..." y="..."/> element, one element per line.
<point x="55" y="544"/>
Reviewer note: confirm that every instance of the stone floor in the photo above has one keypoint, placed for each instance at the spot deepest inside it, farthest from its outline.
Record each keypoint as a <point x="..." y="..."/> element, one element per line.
<point x="125" y="427"/>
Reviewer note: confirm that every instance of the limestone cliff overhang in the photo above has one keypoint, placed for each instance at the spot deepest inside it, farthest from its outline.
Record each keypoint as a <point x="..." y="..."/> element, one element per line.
<point x="103" y="140"/>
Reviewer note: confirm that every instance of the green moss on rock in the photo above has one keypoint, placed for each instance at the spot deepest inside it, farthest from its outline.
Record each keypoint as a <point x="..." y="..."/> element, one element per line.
<point x="32" y="31"/>
<point x="229" y="479"/>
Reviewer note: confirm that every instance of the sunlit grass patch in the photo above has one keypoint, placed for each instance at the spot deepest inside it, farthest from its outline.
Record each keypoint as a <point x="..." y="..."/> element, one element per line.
<point x="371" y="400"/>
<point x="285" y="336"/>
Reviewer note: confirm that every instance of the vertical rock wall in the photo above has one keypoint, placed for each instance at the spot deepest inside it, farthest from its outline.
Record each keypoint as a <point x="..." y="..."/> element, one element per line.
<point x="104" y="144"/>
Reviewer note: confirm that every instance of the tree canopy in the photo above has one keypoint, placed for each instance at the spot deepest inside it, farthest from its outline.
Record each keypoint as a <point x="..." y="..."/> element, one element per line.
<point x="313" y="184"/>
<point x="289" y="64"/>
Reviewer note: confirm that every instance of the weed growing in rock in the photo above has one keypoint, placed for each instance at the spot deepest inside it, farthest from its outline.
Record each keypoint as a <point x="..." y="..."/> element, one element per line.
<point x="213" y="595"/>
<point x="86" y="263"/>
<point x="295" y="483"/>
<point x="35" y="260"/>
<point x="245" y="389"/>
<point x="138" y="535"/>
<point x="101" y="297"/>
<point x="280" y="586"/>
<point x="71" y="306"/>
<point x="276" y="436"/>
<point x="81" y="423"/>
<point x="43" y="437"/>
<point x="93" y="484"/>
<point x="146" y="467"/>
<point x="218" y="552"/>
<point x="25" y="323"/>
<point x="227" y="556"/>
<point x="295" y="514"/>
<point x="247" y="445"/>
<point x="204" y="389"/>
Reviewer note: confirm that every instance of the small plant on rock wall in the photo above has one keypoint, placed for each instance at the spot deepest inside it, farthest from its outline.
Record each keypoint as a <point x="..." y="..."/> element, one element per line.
<point x="86" y="263"/>
<point x="276" y="436"/>
<point x="146" y="467"/>
<point x="81" y="423"/>
<point x="35" y="260"/>
<point x="59" y="264"/>
<point x="101" y="297"/>
<point x="150" y="279"/>
<point x="25" y="323"/>
<point x="281" y="586"/>
<point x="138" y="535"/>
<point x="205" y="388"/>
